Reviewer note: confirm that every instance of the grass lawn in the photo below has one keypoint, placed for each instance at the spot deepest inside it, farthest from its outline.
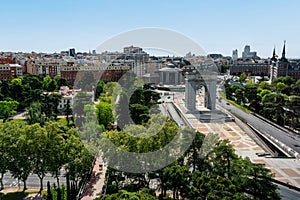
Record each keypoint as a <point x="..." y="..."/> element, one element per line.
<point x="222" y="94"/>
<point x="13" y="196"/>
<point x="18" y="195"/>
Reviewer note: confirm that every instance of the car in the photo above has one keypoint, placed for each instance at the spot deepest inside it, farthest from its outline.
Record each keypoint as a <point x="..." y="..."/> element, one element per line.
<point x="227" y="103"/>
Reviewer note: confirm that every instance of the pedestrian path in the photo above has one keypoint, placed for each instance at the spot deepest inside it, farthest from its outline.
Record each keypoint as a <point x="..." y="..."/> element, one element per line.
<point x="94" y="186"/>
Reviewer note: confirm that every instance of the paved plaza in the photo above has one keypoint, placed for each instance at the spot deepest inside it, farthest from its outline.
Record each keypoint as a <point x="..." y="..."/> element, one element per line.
<point x="286" y="170"/>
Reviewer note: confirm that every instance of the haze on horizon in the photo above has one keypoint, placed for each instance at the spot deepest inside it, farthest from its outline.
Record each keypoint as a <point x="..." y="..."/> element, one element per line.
<point x="218" y="26"/>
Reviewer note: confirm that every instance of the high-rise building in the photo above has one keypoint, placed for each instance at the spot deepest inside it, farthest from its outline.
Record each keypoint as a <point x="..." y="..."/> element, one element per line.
<point x="72" y="52"/>
<point x="235" y="55"/>
<point x="247" y="53"/>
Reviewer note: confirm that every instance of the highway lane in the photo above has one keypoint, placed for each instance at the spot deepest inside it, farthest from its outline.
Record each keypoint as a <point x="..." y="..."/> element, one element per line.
<point x="288" y="194"/>
<point x="287" y="139"/>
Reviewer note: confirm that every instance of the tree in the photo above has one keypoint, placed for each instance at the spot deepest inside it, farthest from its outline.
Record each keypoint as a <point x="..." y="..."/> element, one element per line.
<point x="16" y="91"/>
<point x="33" y="89"/>
<point x="122" y="111"/>
<point x="4" y="153"/>
<point x="5" y="91"/>
<point x="34" y="114"/>
<point x="49" y="194"/>
<point x="7" y="109"/>
<point x="39" y="153"/>
<point x="239" y="95"/>
<point x="287" y="80"/>
<point x="61" y="81"/>
<point x="243" y="77"/>
<point x="280" y="86"/>
<point x="49" y="84"/>
<point x="68" y="112"/>
<point x="273" y="107"/>
<point x="193" y="154"/>
<point x="104" y="113"/>
<point x="50" y="105"/>
<point x="220" y="158"/>
<point x="206" y="187"/>
<point x="123" y="194"/>
<point x="177" y="180"/>
<point x="252" y="97"/>
<point x="140" y="103"/>
<point x="79" y="158"/>
<point x="265" y="85"/>
<point x="57" y="135"/>
<point x="99" y="89"/>
<point x="293" y="111"/>
<point x="80" y="100"/>
<point x="86" y="81"/>
<point x="258" y="181"/>
<point x="139" y="113"/>
<point x="91" y="130"/>
<point x="20" y="153"/>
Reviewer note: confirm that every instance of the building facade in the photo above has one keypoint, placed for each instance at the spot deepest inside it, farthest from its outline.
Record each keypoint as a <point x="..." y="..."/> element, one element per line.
<point x="10" y="71"/>
<point x="247" y="53"/>
<point x="283" y="66"/>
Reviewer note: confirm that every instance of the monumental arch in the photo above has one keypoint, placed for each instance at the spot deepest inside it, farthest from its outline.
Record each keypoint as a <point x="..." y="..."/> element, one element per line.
<point x="195" y="80"/>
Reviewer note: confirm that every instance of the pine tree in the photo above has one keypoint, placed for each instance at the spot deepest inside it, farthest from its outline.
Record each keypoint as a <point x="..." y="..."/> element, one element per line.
<point x="49" y="194"/>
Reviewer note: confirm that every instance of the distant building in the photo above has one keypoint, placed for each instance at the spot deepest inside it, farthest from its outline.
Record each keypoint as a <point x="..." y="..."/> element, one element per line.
<point x="68" y="95"/>
<point x="134" y="55"/>
<point x="171" y="75"/>
<point x="248" y="54"/>
<point x="132" y="49"/>
<point x="10" y="71"/>
<point x="72" y="52"/>
<point x="253" y="69"/>
<point x="273" y="67"/>
<point x="16" y="70"/>
<point x="284" y="67"/>
<point x="235" y="55"/>
<point x="215" y="56"/>
<point x="48" y="67"/>
<point x="5" y="73"/>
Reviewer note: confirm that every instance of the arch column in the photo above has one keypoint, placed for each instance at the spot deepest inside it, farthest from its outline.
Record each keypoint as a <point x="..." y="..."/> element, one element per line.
<point x="190" y="96"/>
<point x="211" y="94"/>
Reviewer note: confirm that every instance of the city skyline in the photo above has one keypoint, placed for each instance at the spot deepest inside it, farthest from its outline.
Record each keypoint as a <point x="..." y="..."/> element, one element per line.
<point x="218" y="27"/>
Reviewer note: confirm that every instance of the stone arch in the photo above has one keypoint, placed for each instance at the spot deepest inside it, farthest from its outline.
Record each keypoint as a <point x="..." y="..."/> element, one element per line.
<point x="194" y="82"/>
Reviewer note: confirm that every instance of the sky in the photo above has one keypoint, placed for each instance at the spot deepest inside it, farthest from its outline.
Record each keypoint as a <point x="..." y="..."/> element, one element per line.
<point x="218" y="26"/>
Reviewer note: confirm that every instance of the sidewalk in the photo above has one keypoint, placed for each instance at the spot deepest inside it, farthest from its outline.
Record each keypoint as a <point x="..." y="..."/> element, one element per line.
<point x="94" y="186"/>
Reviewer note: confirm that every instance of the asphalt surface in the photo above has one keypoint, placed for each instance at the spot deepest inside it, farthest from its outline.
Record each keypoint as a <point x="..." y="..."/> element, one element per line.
<point x="288" y="139"/>
<point x="33" y="181"/>
<point x="288" y="194"/>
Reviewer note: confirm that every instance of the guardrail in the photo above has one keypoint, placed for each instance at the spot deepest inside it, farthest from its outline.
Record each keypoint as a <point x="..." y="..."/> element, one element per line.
<point x="287" y="149"/>
<point x="185" y="120"/>
<point x="288" y="131"/>
<point x="286" y="185"/>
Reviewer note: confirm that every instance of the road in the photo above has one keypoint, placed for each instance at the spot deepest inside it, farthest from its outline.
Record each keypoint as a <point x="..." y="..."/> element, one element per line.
<point x="289" y="140"/>
<point x="33" y="181"/>
<point x="288" y="194"/>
